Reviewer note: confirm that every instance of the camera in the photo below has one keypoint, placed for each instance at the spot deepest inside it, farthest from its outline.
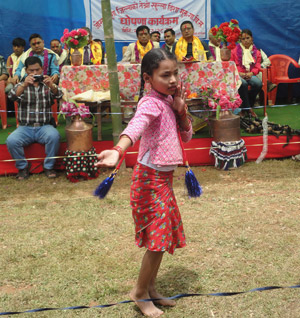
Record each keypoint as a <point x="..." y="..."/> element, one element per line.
<point x="38" y="78"/>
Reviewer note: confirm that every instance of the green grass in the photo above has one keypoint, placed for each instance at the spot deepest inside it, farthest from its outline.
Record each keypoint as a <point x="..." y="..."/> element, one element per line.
<point x="60" y="246"/>
<point x="288" y="115"/>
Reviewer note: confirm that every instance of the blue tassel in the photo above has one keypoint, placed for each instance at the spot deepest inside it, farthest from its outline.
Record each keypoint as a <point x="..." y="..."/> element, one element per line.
<point x="103" y="188"/>
<point x="192" y="184"/>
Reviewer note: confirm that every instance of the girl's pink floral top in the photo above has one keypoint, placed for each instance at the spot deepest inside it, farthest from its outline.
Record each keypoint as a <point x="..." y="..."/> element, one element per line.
<point x="155" y="121"/>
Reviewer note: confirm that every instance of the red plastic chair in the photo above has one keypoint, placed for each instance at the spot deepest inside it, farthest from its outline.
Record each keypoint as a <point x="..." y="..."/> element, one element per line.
<point x="54" y="108"/>
<point x="278" y="73"/>
<point x="3" y="105"/>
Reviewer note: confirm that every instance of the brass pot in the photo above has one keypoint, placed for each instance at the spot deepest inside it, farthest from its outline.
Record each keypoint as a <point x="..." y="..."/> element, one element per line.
<point x="225" y="54"/>
<point x="76" y="57"/>
<point x="79" y="135"/>
<point x="226" y="128"/>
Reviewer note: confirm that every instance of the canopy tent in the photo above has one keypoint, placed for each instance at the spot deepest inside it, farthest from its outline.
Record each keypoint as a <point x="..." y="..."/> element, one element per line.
<point x="274" y="24"/>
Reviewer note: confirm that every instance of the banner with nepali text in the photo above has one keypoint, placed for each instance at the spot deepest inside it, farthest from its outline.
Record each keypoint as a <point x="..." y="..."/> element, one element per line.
<point x="158" y="16"/>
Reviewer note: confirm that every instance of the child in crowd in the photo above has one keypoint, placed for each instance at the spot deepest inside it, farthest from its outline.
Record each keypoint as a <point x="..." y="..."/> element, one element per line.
<point x="160" y="118"/>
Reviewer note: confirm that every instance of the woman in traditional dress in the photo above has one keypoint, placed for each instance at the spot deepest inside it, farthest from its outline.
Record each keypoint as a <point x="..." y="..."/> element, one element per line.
<point x="247" y="59"/>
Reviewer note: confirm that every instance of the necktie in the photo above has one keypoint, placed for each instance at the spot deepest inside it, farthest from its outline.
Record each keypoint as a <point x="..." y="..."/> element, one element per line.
<point x="86" y="56"/>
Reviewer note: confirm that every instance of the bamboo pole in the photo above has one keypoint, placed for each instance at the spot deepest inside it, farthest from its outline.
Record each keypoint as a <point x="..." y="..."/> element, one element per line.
<point x="112" y="70"/>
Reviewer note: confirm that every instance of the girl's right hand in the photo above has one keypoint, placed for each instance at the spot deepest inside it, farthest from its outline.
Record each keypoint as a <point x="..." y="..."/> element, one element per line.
<point x="107" y="158"/>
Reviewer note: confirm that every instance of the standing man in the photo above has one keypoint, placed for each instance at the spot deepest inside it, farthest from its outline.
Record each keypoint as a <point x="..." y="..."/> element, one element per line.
<point x="136" y="51"/>
<point x="189" y="46"/>
<point x="169" y="36"/>
<point x="35" y="96"/>
<point x="56" y="47"/>
<point x="48" y="58"/>
<point x="92" y="53"/>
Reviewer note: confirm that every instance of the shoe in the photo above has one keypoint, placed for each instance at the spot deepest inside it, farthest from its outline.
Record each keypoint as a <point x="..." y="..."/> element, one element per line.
<point x="296" y="158"/>
<point x="23" y="173"/>
<point x="252" y="113"/>
<point x="50" y="173"/>
<point x="271" y="86"/>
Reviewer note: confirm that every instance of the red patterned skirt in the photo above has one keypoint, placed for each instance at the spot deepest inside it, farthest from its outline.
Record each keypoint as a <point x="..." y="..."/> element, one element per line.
<point x="158" y="224"/>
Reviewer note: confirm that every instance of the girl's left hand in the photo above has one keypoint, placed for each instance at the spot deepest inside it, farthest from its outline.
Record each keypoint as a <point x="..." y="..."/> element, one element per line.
<point x="179" y="98"/>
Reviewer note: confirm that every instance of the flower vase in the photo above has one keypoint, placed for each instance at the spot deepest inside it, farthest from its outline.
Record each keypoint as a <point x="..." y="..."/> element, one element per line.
<point x="79" y="135"/>
<point x="226" y="128"/>
<point x="225" y="54"/>
<point x="76" y="57"/>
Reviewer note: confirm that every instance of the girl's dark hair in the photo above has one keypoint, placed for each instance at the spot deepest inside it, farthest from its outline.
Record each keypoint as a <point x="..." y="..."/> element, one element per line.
<point x="151" y="62"/>
<point x="247" y="31"/>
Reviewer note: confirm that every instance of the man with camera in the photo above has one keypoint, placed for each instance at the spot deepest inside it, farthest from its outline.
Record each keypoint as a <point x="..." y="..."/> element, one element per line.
<point x="35" y="96"/>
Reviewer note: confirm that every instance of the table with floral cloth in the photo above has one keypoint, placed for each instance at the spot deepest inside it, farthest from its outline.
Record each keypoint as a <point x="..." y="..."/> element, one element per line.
<point x="223" y="76"/>
<point x="74" y="80"/>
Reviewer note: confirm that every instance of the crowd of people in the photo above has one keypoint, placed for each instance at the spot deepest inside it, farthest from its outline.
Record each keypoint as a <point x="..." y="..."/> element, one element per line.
<point x="20" y="83"/>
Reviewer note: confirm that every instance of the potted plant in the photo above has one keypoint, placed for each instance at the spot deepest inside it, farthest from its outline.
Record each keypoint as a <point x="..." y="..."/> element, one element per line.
<point x="224" y="126"/>
<point x="78" y="132"/>
<point x="75" y="39"/>
<point x="229" y="34"/>
<point x="216" y="101"/>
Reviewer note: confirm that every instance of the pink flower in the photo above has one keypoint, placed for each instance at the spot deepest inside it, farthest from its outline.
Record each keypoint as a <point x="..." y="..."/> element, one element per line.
<point x="66" y="31"/>
<point x="73" y="33"/>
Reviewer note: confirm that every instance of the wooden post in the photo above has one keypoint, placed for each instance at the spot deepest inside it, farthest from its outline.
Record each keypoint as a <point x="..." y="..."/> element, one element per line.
<point x="112" y="70"/>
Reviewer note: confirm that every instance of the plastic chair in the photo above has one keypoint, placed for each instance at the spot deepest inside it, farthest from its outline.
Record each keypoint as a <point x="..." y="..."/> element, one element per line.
<point x="3" y="105"/>
<point x="278" y="73"/>
<point x="54" y="108"/>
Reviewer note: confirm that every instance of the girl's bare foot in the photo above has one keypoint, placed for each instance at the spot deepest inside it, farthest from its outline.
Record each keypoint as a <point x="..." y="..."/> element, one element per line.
<point x="161" y="302"/>
<point x="146" y="307"/>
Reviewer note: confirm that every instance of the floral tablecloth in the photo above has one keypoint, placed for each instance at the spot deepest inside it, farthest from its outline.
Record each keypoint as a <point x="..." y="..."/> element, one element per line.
<point x="74" y="80"/>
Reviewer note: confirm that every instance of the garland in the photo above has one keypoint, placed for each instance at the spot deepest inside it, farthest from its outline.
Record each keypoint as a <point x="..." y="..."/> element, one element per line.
<point x="142" y="48"/>
<point x="181" y="48"/>
<point x="46" y="61"/>
<point x="239" y="54"/>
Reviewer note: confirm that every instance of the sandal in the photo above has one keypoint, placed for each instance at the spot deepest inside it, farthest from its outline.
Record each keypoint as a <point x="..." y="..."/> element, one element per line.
<point x="50" y="173"/>
<point x="23" y="173"/>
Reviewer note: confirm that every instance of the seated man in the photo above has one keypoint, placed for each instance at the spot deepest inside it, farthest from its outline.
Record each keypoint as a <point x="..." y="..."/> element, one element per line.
<point x="56" y="47"/>
<point x="92" y="53"/>
<point x="35" y="96"/>
<point x="48" y="57"/>
<point x="189" y="46"/>
<point x="136" y="51"/>
<point x="169" y="36"/>
<point x="214" y="47"/>
<point x="155" y="36"/>
<point x="12" y="62"/>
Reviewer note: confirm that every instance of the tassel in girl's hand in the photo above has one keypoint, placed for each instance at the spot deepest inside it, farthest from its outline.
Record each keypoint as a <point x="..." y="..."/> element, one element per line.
<point x="103" y="188"/>
<point x="192" y="184"/>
